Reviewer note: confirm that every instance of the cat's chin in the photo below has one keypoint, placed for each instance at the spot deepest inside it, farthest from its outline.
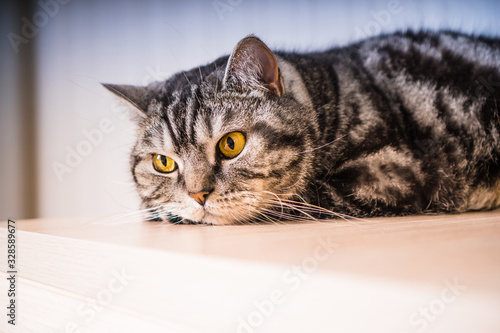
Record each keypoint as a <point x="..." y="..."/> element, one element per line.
<point x="211" y="215"/>
<point x="212" y="219"/>
<point x="199" y="217"/>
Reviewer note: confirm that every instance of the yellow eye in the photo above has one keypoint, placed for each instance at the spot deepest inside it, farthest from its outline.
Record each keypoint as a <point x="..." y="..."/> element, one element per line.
<point x="232" y="144"/>
<point x="163" y="164"/>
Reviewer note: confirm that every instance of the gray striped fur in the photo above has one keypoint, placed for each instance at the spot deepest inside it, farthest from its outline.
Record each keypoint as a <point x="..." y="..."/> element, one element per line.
<point x="400" y="124"/>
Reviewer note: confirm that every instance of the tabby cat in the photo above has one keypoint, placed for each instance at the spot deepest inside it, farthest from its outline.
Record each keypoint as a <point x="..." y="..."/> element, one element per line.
<point x="405" y="123"/>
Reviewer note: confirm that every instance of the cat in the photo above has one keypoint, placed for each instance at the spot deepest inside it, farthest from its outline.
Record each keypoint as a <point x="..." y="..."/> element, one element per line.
<point x="398" y="124"/>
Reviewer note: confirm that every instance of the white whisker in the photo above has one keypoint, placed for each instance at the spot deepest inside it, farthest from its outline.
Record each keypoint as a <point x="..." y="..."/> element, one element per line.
<point x="323" y="146"/>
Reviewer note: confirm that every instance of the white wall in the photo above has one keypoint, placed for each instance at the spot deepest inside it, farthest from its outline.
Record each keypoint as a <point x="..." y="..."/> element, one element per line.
<point x="87" y="42"/>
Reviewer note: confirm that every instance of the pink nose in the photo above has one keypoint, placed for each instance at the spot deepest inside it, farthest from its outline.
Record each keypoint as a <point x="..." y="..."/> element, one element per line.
<point x="200" y="197"/>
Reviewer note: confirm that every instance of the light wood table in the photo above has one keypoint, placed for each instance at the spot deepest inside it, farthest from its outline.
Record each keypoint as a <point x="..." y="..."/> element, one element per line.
<point x="412" y="274"/>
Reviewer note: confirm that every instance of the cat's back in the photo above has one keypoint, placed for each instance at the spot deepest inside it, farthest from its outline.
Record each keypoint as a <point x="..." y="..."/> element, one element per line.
<point x="425" y="47"/>
<point x="432" y="97"/>
<point x="446" y="88"/>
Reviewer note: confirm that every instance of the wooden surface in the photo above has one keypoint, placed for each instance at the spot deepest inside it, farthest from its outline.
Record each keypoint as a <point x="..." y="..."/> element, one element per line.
<point x="372" y="275"/>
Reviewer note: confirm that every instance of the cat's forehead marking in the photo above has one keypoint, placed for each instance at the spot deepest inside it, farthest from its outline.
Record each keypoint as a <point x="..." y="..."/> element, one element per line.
<point x="167" y="143"/>
<point x="171" y="117"/>
<point x="202" y="129"/>
<point x="214" y="119"/>
<point x="156" y="137"/>
<point x="217" y="123"/>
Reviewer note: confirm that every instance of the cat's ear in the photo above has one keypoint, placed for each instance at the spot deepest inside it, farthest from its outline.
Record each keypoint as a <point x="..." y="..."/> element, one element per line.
<point x="138" y="97"/>
<point x="253" y="66"/>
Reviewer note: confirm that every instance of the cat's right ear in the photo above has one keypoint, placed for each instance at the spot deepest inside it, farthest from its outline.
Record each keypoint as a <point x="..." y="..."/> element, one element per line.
<point x="138" y="97"/>
<point x="253" y="66"/>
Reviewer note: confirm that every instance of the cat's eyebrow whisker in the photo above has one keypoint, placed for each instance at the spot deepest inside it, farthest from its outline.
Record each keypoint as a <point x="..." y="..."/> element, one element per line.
<point x="192" y="86"/>
<point x="201" y="75"/>
<point x="323" y="146"/>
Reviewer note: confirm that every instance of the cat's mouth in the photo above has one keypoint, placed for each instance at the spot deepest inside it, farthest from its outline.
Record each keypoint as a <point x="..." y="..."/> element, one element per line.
<point x="240" y="209"/>
<point x="214" y="219"/>
<point x="207" y="219"/>
<point x="198" y="215"/>
<point x="211" y="215"/>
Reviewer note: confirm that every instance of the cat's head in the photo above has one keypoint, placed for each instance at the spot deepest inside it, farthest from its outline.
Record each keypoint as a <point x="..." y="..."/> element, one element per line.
<point x="226" y="143"/>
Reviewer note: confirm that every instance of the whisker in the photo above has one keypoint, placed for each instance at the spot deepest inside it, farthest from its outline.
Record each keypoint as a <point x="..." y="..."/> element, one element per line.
<point x="122" y="218"/>
<point x="304" y="207"/>
<point x="322" y="146"/>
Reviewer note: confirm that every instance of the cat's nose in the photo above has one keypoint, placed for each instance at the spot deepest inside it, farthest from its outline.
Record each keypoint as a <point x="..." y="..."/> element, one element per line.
<point x="200" y="197"/>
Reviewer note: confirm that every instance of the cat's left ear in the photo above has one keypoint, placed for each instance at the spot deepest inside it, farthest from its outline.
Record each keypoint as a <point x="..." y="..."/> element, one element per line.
<point x="139" y="97"/>
<point x="253" y="66"/>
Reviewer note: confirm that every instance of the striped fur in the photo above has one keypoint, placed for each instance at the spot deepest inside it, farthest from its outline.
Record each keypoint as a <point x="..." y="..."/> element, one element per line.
<point x="400" y="124"/>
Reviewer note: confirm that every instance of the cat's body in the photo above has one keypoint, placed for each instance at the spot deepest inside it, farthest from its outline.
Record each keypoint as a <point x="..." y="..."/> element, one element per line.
<point x="394" y="125"/>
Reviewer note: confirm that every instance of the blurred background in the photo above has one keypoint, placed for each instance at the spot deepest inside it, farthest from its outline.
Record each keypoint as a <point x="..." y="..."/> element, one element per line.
<point x="65" y="140"/>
